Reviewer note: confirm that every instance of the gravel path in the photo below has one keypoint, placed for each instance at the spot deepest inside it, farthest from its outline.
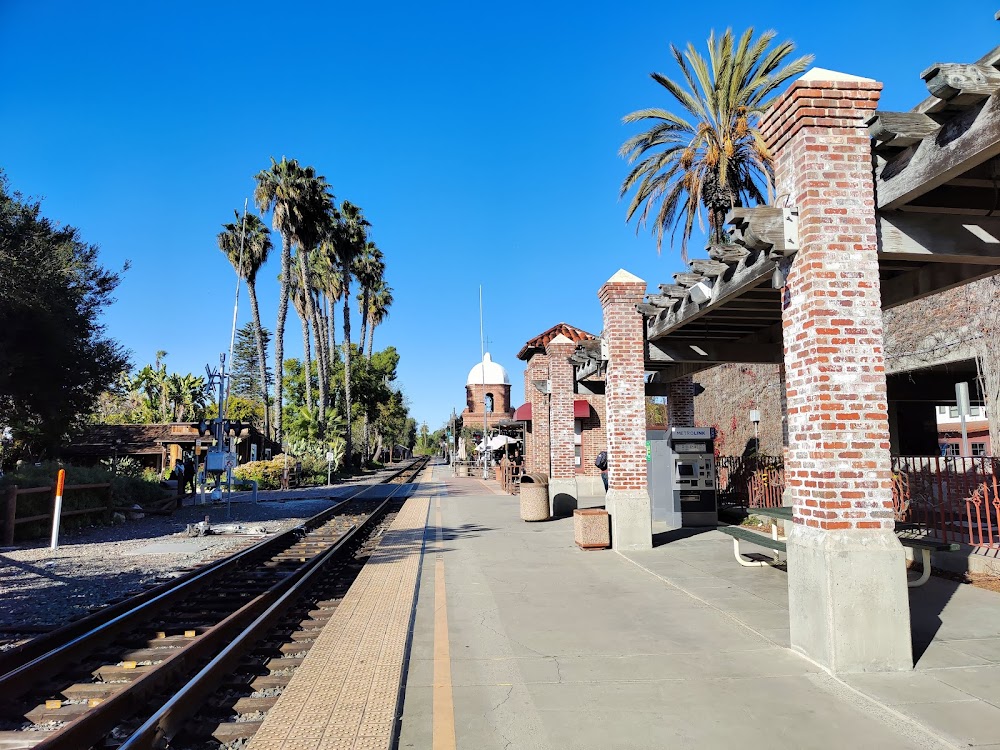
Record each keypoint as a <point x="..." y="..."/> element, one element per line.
<point x="42" y="588"/>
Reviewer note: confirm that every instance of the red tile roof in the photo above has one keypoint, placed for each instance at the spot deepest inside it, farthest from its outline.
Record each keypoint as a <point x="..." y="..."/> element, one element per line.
<point x="538" y="344"/>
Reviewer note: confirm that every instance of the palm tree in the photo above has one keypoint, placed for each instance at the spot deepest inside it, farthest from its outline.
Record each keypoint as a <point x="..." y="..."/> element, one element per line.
<point x="250" y="237"/>
<point x="718" y="159"/>
<point x="290" y="192"/>
<point x="378" y="310"/>
<point x="350" y="236"/>
<point x="368" y="267"/>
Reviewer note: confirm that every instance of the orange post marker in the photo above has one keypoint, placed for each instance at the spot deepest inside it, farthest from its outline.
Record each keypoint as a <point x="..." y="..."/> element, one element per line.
<point x="57" y="509"/>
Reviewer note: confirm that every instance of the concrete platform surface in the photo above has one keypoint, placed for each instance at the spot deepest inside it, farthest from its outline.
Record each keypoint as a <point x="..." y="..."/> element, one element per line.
<point x="522" y="640"/>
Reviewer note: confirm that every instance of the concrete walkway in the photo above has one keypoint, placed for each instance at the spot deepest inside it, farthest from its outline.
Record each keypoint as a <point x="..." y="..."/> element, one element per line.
<point x="534" y="643"/>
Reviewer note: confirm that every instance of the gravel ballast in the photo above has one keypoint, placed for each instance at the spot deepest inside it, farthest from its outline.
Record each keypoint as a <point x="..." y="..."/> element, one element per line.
<point x="41" y="589"/>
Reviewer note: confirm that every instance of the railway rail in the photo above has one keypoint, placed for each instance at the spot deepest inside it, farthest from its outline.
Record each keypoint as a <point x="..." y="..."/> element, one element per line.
<point x="200" y="659"/>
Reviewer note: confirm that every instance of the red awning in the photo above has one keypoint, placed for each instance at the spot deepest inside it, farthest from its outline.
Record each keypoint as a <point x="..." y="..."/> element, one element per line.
<point x="581" y="410"/>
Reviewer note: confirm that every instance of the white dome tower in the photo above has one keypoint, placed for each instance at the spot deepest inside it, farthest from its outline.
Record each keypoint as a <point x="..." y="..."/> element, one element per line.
<point x="487" y="390"/>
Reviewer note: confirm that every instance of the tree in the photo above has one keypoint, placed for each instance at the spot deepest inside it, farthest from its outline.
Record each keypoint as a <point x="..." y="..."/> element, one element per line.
<point x="55" y="359"/>
<point x="369" y="269"/>
<point x="718" y="159"/>
<point x="350" y="233"/>
<point x="247" y="244"/>
<point x="288" y="191"/>
<point x="245" y="380"/>
<point x="378" y="310"/>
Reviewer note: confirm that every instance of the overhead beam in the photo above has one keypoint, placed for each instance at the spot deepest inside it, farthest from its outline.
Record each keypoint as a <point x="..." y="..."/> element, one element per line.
<point x="961" y="84"/>
<point x="714" y="352"/>
<point x="933" y="104"/>
<point x="969" y="139"/>
<point x="931" y="279"/>
<point x="938" y="238"/>
<point x="743" y="279"/>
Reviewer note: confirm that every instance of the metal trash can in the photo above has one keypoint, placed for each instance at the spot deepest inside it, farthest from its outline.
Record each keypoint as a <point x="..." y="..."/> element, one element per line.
<point x="534" y="497"/>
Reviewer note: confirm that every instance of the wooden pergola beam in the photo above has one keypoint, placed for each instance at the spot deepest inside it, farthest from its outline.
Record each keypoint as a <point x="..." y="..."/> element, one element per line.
<point x="939" y="238"/>
<point x="969" y="139"/>
<point x="931" y="279"/>
<point x="714" y="352"/>
<point x="901" y="129"/>
<point x="961" y="84"/>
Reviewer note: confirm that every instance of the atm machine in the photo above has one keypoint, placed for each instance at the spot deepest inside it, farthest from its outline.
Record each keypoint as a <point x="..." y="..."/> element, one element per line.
<point x="680" y="477"/>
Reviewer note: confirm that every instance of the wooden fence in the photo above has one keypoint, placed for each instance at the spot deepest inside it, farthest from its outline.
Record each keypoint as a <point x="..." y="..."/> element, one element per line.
<point x="10" y="519"/>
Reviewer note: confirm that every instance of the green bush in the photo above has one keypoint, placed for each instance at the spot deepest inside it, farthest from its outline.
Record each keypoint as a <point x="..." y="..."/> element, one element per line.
<point x="268" y="473"/>
<point x="125" y="491"/>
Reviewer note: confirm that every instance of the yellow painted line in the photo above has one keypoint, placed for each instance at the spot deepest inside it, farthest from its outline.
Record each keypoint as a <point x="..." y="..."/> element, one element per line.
<point x="443" y="711"/>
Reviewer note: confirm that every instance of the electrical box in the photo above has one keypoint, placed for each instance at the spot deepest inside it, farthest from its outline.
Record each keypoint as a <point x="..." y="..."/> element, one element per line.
<point x="215" y="462"/>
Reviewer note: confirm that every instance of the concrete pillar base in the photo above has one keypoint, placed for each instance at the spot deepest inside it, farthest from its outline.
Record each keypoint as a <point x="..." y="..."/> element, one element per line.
<point x="847" y="599"/>
<point x="562" y="496"/>
<point x="631" y="519"/>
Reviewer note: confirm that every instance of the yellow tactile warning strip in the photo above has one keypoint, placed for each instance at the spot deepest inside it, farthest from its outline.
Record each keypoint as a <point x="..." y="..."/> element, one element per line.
<point x="345" y="694"/>
<point x="443" y="710"/>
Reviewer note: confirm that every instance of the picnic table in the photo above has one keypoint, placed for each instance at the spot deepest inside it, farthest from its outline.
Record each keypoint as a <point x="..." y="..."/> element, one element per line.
<point x="777" y="542"/>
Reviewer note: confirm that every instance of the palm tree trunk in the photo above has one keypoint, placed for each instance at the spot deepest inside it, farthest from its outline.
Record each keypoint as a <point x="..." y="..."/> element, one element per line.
<point x="319" y="334"/>
<point x="365" y="300"/>
<point x="371" y="339"/>
<point x="279" y="335"/>
<point x="307" y="359"/>
<point x="347" y="357"/>
<point x="261" y="355"/>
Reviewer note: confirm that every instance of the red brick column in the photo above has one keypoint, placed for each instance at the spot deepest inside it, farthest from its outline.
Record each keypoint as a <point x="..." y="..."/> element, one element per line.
<point x="562" y="480"/>
<point x="625" y="403"/>
<point x="847" y="591"/>
<point x="538" y="459"/>
<point x="563" y="459"/>
<point x="680" y="403"/>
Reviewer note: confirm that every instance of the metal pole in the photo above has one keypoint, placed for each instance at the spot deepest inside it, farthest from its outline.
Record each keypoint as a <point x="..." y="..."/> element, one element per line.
<point x="239" y="278"/>
<point x="962" y="398"/>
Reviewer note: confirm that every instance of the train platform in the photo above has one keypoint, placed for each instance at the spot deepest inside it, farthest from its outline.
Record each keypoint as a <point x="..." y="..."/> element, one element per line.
<point x="519" y="639"/>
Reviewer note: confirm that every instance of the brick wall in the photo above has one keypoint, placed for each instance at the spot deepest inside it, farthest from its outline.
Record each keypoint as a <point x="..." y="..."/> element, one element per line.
<point x="680" y="403"/>
<point x="625" y="391"/>
<point x="731" y="391"/>
<point x="594" y="437"/>
<point x="537" y="452"/>
<point x="561" y="428"/>
<point x="837" y="461"/>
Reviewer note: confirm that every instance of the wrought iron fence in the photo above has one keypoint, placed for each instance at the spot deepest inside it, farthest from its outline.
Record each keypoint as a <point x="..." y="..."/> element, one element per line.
<point x="952" y="498"/>
<point x="750" y="481"/>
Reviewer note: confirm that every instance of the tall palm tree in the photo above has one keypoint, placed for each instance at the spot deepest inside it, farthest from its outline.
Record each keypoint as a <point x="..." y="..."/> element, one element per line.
<point x="253" y="236"/>
<point x="350" y="236"/>
<point x="289" y="191"/>
<point x="378" y="310"/>
<point x="717" y="159"/>
<point x="368" y="268"/>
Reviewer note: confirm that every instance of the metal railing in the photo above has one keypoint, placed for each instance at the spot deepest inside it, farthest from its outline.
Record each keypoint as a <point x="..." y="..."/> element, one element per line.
<point x="750" y="481"/>
<point x="952" y="498"/>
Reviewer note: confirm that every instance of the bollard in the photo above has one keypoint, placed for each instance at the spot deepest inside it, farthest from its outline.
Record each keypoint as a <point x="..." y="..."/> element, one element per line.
<point x="57" y="508"/>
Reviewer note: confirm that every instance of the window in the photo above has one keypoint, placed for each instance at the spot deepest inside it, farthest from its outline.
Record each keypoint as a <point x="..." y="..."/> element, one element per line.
<point x="949" y="449"/>
<point x="489" y="403"/>
<point x="975" y="411"/>
<point x="978" y="449"/>
<point x="953" y="412"/>
<point x="942" y="410"/>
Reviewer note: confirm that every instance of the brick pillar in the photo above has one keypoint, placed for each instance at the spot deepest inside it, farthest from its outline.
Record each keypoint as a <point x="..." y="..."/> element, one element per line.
<point x="680" y="403"/>
<point x="628" y="499"/>
<point x="538" y="459"/>
<point x="562" y="481"/>
<point x="847" y="595"/>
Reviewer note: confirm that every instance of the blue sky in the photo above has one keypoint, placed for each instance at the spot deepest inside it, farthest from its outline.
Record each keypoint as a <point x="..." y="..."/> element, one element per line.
<point x="481" y="141"/>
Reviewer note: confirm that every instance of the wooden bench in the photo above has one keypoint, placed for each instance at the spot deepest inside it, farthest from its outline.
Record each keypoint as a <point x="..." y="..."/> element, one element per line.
<point x="925" y="547"/>
<point x="778" y="544"/>
<point x="738" y="533"/>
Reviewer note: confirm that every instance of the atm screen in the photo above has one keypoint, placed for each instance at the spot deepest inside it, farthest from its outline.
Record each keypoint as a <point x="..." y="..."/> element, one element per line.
<point x="685" y="470"/>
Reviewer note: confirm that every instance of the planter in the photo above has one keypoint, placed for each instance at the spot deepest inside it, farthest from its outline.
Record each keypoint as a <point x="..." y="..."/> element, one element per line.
<point x="534" y="497"/>
<point x="592" y="528"/>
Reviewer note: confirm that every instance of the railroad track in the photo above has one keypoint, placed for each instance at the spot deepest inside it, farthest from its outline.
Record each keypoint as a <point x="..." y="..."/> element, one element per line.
<point x="206" y="653"/>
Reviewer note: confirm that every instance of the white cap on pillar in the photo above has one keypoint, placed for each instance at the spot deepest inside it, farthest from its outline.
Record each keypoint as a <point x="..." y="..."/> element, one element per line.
<point x="621" y="275"/>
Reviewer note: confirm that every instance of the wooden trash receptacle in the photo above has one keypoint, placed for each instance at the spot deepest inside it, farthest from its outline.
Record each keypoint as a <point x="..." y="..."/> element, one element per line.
<point x="534" y="497"/>
<point x="592" y="528"/>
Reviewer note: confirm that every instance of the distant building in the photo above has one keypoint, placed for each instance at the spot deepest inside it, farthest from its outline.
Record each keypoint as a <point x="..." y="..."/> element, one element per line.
<point x="158" y="446"/>
<point x="977" y="429"/>
<point x="487" y="395"/>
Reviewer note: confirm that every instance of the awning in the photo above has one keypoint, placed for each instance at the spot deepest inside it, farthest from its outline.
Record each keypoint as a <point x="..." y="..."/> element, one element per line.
<point x="581" y="410"/>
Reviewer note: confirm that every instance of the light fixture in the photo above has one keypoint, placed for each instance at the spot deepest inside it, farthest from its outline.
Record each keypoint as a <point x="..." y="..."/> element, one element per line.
<point x="701" y="292"/>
